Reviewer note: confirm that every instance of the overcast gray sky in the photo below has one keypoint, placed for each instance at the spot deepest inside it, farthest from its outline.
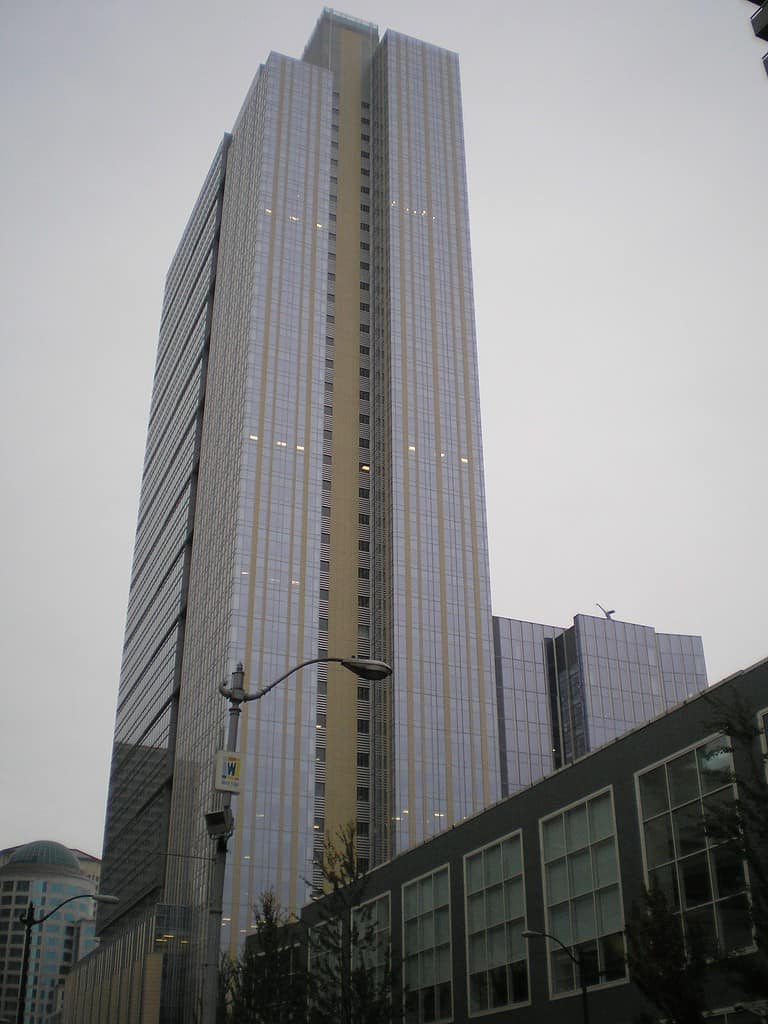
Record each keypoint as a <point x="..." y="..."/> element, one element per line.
<point x="617" y="157"/>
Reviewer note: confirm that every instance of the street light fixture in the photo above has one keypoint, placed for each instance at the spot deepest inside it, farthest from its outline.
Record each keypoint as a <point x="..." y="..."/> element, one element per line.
<point x="577" y="958"/>
<point x="29" y="921"/>
<point x="220" y="824"/>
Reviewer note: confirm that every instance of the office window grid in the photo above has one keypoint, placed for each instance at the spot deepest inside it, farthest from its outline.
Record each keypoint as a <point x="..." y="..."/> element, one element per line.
<point x="371" y="937"/>
<point x="701" y="873"/>
<point x="495" y="920"/>
<point x="582" y="893"/>
<point x="427" y="948"/>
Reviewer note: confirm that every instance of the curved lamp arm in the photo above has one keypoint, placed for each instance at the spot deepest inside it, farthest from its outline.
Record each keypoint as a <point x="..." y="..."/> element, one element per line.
<point x="562" y="945"/>
<point x="365" y="667"/>
<point x="30" y="920"/>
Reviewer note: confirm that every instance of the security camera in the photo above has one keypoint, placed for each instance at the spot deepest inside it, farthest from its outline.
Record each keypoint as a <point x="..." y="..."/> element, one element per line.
<point x="220" y="824"/>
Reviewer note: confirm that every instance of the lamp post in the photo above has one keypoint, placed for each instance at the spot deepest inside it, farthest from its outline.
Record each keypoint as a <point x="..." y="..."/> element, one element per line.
<point x="220" y="824"/>
<point x="578" y="960"/>
<point x="29" y="921"/>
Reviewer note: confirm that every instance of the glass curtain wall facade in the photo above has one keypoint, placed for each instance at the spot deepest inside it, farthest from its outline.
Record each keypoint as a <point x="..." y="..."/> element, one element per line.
<point x="564" y="692"/>
<point x="435" y="738"/>
<point x="313" y="486"/>
<point x="143" y="757"/>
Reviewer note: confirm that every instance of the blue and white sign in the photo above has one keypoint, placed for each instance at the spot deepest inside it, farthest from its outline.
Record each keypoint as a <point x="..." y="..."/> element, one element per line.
<point x="227" y="773"/>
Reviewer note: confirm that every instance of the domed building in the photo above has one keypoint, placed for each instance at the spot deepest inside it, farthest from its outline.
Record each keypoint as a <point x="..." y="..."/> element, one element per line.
<point x="44" y="873"/>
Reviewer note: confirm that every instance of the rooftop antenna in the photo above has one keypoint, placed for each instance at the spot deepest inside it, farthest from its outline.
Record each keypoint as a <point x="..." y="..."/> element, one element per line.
<point x="607" y="614"/>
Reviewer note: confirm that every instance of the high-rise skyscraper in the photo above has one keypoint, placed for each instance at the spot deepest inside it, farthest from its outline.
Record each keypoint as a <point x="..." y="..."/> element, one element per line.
<point x="313" y="484"/>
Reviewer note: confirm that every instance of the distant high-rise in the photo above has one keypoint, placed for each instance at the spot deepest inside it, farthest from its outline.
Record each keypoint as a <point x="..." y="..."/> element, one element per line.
<point x="45" y="874"/>
<point x="313" y="485"/>
<point x="564" y="692"/>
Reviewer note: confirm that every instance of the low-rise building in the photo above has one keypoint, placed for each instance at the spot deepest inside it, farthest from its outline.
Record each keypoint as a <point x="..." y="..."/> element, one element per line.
<point x="568" y="856"/>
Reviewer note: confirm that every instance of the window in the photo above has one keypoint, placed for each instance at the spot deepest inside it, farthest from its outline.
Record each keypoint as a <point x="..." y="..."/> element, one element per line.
<point x="365" y="190"/>
<point x="363" y="693"/>
<point x="364" y="418"/>
<point x="364" y="226"/>
<point x="762" y="719"/>
<point x="363" y="519"/>
<point x="363" y="602"/>
<point x="427" y="949"/>
<point x="365" y="208"/>
<point x="364" y="442"/>
<point x="321" y="720"/>
<point x="371" y="937"/>
<point x="365" y="138"/>
<point x="365" y="329"/>
<point x="363" y="726"/>
<point x="365" y="247"/>
<point x="365" y="396"/>
<point x="363" y="759"/>
<point x="363" y="492"/>
<point x="365" y="120"/>
<point x="365" y="307"/>
<point x="364" y="265"/>
<point x="495" y="915"/>
<point x="320" y="755"/>
<point x="363" y="829"/>
<point x="363" y="545"/>
<point x="583" y="894"/>
<point x="364" y="286"/>
<point x="364" y="574"/>
<point x="702" y="875"/>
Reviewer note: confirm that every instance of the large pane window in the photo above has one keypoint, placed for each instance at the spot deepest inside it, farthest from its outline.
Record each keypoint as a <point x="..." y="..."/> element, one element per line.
<point x="427" y="949"/>
<point x="371" y="941"/>
<point x="683" y="804"/>
<point x="583" y="894"/>
<point x="495" y="916"/>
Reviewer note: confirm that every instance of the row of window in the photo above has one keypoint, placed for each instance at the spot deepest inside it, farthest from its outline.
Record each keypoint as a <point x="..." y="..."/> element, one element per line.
<point x="704" y="876"/>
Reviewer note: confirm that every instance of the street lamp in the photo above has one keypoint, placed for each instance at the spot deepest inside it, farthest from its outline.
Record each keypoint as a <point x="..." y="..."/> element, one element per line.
<point x="220" y="824"/>
<point x="577" y="958"/>
<point x="29" y="921"/>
